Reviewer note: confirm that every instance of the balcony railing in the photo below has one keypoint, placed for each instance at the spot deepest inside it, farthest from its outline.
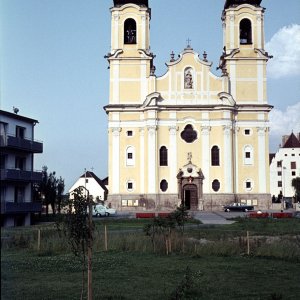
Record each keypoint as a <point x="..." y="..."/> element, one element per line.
<point x="23" y="207"/>
<point x="20" y="175"/>
<point x="9" y="141"/>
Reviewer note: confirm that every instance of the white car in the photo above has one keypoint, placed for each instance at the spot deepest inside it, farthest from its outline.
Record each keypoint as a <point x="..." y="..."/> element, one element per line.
<point x="100" y="210"/>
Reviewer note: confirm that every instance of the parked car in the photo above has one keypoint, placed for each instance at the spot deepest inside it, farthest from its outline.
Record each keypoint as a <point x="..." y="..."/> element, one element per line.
<point x="100" y="210"/>
<point x="238" y="207"/>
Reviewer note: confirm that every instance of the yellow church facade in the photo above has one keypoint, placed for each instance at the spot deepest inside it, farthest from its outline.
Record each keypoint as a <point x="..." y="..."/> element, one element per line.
<point x="188" y="137"/>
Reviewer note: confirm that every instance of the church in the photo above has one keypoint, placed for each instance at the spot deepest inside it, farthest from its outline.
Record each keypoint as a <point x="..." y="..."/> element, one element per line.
<point x="188" y="137"/>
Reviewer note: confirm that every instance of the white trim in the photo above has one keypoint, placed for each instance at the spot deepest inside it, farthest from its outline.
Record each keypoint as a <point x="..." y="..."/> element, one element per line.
<point x="232" y="77"/>
<point x="152" y="159"/>
<point x="227" y="159"/>
<point x="115" y="160"/>
<point x="205" y="158"/>
<point x="232" y="27"/>
<point x="262" y="160"/>
<point x="144" y="90"/>
<point x="142" y="160"/>
<point x="172" y="157"/>
<point x="260" y="82"/>
<point x="115" y="84"/>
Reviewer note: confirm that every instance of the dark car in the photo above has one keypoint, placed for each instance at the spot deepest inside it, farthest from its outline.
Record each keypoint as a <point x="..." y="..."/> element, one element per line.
<point x="238" y="207"/>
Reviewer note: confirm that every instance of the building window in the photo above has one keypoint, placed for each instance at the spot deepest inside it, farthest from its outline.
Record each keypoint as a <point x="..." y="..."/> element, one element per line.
<point x="188" y="78"/>
<point x="248" y="155"/>
<point x="189" y="134"/>
<point x="20" y="163"/>
<point x="279" y="183"/>
<point x="130" y="156"/>
<point x="129" y="133"/>
<point x="248" y="185"/>
<point x="20" y="132"/>
<point x="245" y="32"/>
<point x="3" y="161"/>
<point x="293" y="165"/>
<point x="129" y="186"/>
<point x="130" y="31"/>
<point x="215" y="185"/>
<point x="293" y="154"/>
<point x="279" y="164"/>
<point x="285" y="154"/>
<point x="19" y="194"/>
<point x="247" y="132"/>
<point x="163" y="156"/>
<point x="293" y="173"/>
<point x="279" y="173"/>
<point x="215" y="156"/>
<point x="163" y="185"/>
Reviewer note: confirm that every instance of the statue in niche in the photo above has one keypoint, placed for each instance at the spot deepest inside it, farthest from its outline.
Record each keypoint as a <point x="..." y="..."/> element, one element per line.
<point x="188" y="80"/>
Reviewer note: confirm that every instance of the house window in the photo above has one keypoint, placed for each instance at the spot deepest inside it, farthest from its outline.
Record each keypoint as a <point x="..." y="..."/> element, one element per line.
<point x="248" y="185"/>
<point x="245" y="32"/>
<point x="279" y="164"/>
<point x="129" y="185"/>
<point x="215" y="185"/>
<point x="20" y="132"/>
<point x="248" y="155"/>
<point x="247" y="131"/>
<point x="163" y="185"/>
<point x="293" y="173"/>
<point x="19" y="194"/>
<point x="129" y="133"/>
<point x="130" y="31"/>
<point x="189" y="134"/>
<point x="20" y="163"/>
<point x="279" y="183"/>
<point x="215" y="156"/>
<point x="130" y="156"/>
<point x="279" y="173"/>
<point x="293" y="154"/>
<point x="163" y="156"/>
<point x="293" y="165"/>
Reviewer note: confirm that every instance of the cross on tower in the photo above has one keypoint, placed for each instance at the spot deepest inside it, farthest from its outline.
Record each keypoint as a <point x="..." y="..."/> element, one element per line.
<point x="188" y="43"/>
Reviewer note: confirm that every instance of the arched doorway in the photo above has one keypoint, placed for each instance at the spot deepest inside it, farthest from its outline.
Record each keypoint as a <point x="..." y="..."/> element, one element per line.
<point x="190" y="196"/>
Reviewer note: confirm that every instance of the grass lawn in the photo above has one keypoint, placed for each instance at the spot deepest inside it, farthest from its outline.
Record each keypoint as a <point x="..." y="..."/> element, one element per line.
<point x="129" y="275"/>
<point x="129" y="270"/>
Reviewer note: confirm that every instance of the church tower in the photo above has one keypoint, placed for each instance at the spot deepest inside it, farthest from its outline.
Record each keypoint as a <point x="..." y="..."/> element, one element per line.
<point x="245" y="61"/>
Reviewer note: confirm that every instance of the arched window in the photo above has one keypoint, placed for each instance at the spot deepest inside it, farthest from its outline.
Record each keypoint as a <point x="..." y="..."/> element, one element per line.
<point x="130" y="31"/>
<point x="215" y="156"/>
<point x="130" y="156"/>
<point x="188" y="78"/>
<point x="163" y="156"/>
<point x="245" y="32"/>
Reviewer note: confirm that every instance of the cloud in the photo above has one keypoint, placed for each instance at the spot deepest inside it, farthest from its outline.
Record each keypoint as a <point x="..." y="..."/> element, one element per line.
<point x="283" y="123"/>
<point x="284" y="46"/>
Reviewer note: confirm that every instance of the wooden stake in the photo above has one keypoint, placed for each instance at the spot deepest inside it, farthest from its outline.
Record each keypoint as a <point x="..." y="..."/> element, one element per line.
<point x="39" y="240"/>
<point x="105" y="238"/>
<point x="248" y="243"/>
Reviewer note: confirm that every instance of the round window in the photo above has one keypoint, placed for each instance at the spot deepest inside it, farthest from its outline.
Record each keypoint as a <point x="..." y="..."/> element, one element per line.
<point x="216" y="185"/>
<point x="163" y="185"/>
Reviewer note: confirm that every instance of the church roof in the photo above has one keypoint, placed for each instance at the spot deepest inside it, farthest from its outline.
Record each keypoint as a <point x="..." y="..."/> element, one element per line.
<point x="138" y="2"/>
<point x="229" y="3"/>
<point x="292" y="142"/>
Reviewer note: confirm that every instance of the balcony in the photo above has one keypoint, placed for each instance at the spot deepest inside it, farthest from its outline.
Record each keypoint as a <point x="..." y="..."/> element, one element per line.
<point x="23" y="207"/>
<point x="12" y="142"/>
<point x="20" y="175"/>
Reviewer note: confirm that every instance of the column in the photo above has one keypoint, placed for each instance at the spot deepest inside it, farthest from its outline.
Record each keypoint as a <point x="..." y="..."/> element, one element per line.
<point x="142" y="160"/>
<point x="152" y="176"/>
<point x="205" y="157"/>
<point x="236" y="160"/>
<point x="115" y="161"/>
<point x="227" y="158"/>
<point x="172" y="157"/>
<point x="261" y="148"/>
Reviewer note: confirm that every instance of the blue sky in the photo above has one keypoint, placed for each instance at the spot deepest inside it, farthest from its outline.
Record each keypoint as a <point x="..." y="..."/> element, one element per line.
<point x="53" y="68"/>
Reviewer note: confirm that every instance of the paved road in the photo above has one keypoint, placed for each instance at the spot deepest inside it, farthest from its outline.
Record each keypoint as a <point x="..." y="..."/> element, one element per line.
<point x="214" y="217"/>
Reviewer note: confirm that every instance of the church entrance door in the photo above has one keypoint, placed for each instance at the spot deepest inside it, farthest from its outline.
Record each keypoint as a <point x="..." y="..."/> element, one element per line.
<point x="190" y="196"/>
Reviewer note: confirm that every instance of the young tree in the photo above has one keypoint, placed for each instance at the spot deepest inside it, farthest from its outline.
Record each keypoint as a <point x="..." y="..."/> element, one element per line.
<point x="78" y="229"/>
<point x="60" y="191"/>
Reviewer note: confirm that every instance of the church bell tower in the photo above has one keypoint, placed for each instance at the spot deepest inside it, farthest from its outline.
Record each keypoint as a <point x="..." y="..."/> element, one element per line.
<point x="130" y="58"/>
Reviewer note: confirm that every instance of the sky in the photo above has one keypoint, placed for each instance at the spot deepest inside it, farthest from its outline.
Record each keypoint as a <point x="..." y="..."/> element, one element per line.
<point x="52" y="68"/>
